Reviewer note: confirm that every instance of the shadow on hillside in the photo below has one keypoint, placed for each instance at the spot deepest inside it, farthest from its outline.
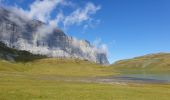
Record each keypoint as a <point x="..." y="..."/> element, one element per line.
<point x="15" y="55"/>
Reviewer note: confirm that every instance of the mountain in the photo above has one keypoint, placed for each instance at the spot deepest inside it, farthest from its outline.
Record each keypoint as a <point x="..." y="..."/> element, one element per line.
<point x="21" y="33"/>
<point x="13" y="60"/>
<point x="13" y="55"/>
<point x="151" y="63"/>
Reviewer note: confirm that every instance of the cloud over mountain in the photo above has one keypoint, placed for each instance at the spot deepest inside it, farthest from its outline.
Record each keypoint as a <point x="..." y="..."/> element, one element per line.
<point x="43" y="9"/>
<point x="24" y="33"/>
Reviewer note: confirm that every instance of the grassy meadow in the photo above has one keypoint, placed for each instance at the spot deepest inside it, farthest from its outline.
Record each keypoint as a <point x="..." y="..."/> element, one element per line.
<point x="55" y="79"/>
<point x="148" y="64"/>
<point x="60" y="67"/>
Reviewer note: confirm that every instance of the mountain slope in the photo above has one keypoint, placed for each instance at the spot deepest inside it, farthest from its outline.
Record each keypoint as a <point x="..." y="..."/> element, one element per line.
<point x="17" y="55"/>
<point x="13" y="60"/>
<point x="19" y="32"/>
<point x="149" y="63"/>
<point x="56" y="67"/>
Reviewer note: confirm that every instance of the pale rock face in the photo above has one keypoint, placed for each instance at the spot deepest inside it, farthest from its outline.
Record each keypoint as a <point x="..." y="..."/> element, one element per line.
<point x="37" y="38"/>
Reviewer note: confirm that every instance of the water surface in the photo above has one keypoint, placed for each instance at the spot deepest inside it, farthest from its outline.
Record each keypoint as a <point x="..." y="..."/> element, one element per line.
<point x="150" y="78"/>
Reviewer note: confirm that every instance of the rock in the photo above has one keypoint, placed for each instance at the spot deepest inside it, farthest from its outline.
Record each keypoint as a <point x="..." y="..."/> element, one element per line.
<point x="38" y="38"/>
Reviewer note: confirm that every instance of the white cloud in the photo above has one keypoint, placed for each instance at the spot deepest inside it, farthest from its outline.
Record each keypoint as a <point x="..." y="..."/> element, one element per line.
<point x="96" y="42"/>
<point x="21" y="12"/>
<point x="77" y="17"/>
<point x="100" y="47"/>
<point x="41" y="9"/>
<point x="57" y="20"/>
<point x="81" y="14"/>
<point x="103" y="48"/>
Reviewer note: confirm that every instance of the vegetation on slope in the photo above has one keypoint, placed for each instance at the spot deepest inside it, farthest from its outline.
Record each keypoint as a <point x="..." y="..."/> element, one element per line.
<point x="153" y="63"/>
<point x="11" y="54"/>
<point x="60" y="67"/>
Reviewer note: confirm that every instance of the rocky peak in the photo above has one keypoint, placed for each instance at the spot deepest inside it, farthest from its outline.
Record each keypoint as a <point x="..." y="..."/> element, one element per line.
<point x="38" y="38"/>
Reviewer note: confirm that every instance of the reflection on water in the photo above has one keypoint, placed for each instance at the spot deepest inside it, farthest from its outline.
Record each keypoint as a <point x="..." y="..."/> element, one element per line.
<point x="145" y="77"/>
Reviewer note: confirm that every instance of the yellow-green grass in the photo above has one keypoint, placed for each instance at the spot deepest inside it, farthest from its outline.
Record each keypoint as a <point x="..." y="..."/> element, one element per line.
<point x="55" y="79"/>
<point x="60" y="67"/>
<point x="152" y="64"/>
<point x="23" y="87"/>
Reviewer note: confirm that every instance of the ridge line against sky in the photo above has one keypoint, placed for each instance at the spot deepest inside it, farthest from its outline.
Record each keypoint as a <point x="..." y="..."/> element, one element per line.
<point x="124" y="28"/>
<point x="42" y="10"/>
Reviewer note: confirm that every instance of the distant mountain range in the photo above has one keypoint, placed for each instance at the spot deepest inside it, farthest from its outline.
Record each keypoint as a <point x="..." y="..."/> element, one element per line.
<point x="36" y="37"/>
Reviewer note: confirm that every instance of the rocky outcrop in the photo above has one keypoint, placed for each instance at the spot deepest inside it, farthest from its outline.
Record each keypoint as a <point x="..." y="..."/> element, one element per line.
<point x="38" y="38"/>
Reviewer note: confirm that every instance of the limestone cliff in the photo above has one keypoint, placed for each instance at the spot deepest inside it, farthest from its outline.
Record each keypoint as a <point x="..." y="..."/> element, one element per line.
<point x="38" y="38"/>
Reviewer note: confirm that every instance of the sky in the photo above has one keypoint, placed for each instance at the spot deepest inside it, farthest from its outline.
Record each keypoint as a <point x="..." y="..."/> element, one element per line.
<point x="124" y="28"/>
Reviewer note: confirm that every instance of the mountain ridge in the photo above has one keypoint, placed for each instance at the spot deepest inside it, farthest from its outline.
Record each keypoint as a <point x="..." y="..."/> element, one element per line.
<point x="38" y="38"/>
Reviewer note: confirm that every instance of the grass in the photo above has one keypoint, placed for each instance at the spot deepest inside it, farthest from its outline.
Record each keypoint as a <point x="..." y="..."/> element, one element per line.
<point x="151" y="64"/>
<point x="23" y="87"/>
<point x="49" y="79"/>
<point x="58" y="67"/>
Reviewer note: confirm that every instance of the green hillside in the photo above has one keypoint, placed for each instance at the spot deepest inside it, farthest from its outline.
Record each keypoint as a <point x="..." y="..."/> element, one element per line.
<point x="60" y="67"/>
<point x="153" y="63"/>
<point x="34" y="77"/>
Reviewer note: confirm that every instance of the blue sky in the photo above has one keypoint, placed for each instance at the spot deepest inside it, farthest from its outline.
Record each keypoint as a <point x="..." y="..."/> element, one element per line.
<point x="129" y="28"/>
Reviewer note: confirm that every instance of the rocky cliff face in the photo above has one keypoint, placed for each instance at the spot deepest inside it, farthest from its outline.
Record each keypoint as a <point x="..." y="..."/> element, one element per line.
<point x="38" y="38"/>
